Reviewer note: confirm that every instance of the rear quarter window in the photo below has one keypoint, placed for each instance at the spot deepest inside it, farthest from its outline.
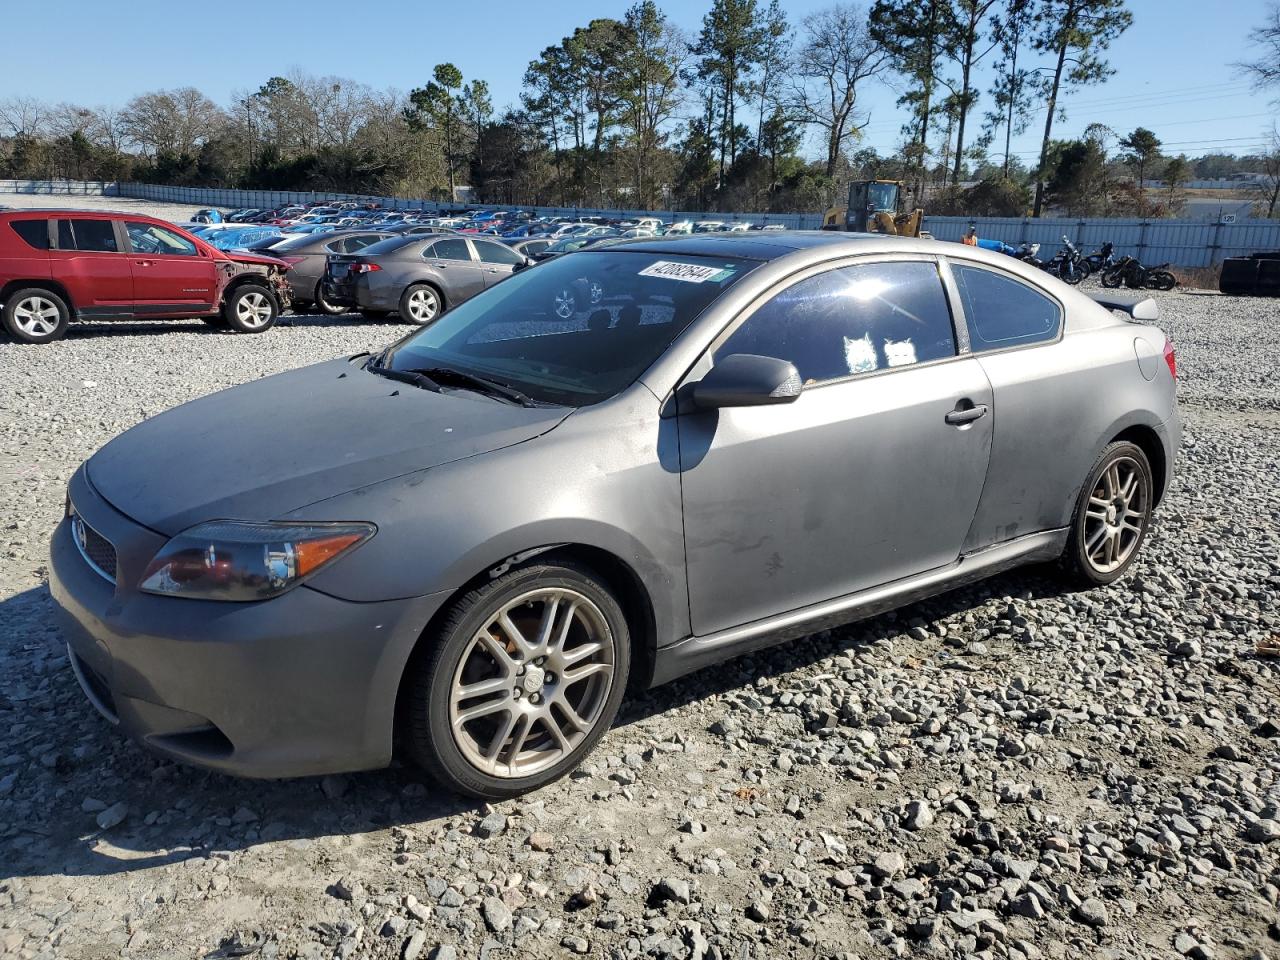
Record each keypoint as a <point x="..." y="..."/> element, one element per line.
<point x="1003" y="312"/>
<point x="34" y="233"/>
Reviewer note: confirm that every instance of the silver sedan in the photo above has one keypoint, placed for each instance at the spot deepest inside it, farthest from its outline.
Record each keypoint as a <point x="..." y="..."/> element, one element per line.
<point x="608" y="470"/>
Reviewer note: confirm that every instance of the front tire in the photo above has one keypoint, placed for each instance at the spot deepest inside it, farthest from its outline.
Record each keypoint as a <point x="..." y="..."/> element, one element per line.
<point x="250" y="308"/>
<point x="1112" y="516"/>
<point x="420" y="305"/>
<point x="522" y="680"/>
<point x="36" y="315"/>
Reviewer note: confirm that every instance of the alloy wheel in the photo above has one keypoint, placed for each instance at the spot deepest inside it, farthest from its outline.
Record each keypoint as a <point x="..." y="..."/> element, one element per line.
<point x="36" y="316"/>
<point x="533" y="683"/>
<point x="1116" y="515"/>
<point x="423" y="306"/>
<point x="254" y="310"/>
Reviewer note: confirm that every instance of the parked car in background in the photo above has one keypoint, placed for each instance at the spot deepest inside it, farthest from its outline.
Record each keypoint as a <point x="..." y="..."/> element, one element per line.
<point x="532" y="247"/>
<point x="307" y="256"/>
<point x="473" y="542"/>
<point x="237" y="236"/>
<point x="57" y="266"/>
<point x="418" y="278"/>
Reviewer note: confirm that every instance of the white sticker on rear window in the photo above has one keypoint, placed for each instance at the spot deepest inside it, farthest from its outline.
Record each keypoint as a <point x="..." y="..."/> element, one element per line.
<point x="686" y="272"/>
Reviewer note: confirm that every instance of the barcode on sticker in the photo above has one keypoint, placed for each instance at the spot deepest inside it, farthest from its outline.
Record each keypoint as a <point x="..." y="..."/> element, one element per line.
<point x="686" y="272"/>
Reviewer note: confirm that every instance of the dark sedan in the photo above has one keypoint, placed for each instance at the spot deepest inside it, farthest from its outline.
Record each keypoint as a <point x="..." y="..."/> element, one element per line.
<point x="417" y="277"/>
<point x="307" y="255"/>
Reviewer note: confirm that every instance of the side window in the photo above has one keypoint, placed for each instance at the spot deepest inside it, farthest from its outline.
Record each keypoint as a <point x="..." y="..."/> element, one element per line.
<point x="448" y="250"/>
<point x="96" y="236"/>
<point x="148" y="238"/>
<point x="1003" y="312"/>
<point x="852" y="320"/>
<point x="497" y="253"/>
<point x="358" y="242"/>
<point x="35" y="233"/>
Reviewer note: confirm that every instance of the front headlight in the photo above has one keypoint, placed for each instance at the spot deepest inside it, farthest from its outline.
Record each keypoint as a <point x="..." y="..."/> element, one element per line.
<point x="230" y="560"/>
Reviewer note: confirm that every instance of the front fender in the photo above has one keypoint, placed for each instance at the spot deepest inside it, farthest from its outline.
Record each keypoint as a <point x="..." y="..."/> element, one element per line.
<point x="590" y="482"/>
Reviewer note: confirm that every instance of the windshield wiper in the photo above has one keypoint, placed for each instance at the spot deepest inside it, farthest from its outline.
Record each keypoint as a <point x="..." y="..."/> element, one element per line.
<point x="461" y="378"/>
<point x="415" y="377"/>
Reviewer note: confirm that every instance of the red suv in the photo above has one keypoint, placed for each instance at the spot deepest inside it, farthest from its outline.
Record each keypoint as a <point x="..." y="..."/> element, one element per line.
<point x="60" y="265"/>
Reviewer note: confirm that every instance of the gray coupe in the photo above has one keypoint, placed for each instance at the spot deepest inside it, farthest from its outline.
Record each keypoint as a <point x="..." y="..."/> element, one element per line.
<point x="608" y="470"/>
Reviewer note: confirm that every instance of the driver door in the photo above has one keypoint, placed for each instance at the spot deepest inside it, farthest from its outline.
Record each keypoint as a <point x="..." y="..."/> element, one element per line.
<point x="170" y="273"/>
<point x="867" y="477"/>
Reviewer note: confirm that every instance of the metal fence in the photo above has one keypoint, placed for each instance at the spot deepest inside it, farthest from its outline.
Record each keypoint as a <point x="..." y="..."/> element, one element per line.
<point x="80" y="188"/>
<point x="1184" y="243"/>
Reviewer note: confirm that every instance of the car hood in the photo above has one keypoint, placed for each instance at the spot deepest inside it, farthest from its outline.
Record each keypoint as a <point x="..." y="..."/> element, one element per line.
<point x="242" y="257"/>
<point x="263" y="449"/>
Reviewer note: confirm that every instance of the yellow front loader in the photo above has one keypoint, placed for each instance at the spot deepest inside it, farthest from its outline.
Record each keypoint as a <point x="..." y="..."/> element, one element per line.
<point x="873" y="208"/>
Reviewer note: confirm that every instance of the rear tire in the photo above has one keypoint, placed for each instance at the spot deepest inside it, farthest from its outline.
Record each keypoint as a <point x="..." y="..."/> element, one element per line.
<point x="36" y="315"/>
<point x="324" y="306"/>
<point x="250" y="308"/>
<point x="533" y="684"/>
<point x="420" y="305"/>
<point x="1112" y="516"/>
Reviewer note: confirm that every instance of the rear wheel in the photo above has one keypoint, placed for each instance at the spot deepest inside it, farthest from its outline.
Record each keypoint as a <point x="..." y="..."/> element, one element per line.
<point x="250" y="308"/>
<point x="420" y="305"/>
<point x="1161" y="280"/>
<point x="324" y="306"/>
<point x="524" y="677"/>
<point x="1112" y="516"/>
<point x="36" y="315"/>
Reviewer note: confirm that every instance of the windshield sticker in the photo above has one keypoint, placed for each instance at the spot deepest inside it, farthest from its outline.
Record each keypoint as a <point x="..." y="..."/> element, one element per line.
<point x="687" y="272"/>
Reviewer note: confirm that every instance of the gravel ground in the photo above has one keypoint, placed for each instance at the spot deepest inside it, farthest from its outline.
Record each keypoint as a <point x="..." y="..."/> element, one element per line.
<point x="1007" y="771"/>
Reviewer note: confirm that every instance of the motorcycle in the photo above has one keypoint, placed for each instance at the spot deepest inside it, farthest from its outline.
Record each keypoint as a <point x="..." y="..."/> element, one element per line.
<point x="1026" y="252"/>
<point x="1102" y="260"/>
<point x="1130" y="272"/>
<point x="1068" y="265"/>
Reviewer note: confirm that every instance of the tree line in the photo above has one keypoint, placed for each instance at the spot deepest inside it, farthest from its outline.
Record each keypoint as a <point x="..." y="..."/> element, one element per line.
<point x="751" y="112"/>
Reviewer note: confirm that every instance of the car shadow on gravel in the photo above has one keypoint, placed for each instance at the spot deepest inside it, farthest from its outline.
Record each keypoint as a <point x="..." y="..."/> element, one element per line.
<point x="70" y="768"/>
<point x="82" y="330"/>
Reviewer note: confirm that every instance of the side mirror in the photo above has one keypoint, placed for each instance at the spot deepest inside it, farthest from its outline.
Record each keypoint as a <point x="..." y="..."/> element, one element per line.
<point x="747" y="380"/>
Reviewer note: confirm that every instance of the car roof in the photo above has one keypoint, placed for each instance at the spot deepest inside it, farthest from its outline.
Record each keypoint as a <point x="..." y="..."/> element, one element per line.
<point x="773" y="245"/>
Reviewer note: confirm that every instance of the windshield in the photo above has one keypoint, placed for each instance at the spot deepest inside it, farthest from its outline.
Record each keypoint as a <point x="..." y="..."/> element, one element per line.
<point x="575" y="330"/>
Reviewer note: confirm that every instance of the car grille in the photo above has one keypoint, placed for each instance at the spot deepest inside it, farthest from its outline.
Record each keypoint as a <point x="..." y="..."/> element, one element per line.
<point x="94" y="547"/>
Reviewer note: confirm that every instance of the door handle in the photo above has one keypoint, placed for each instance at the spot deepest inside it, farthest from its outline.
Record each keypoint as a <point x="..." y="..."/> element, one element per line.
<point x="439" y="266"/>
<point x="962" y="415"/>
<point x="143" y="263"/>
<point x="491" y="270"/>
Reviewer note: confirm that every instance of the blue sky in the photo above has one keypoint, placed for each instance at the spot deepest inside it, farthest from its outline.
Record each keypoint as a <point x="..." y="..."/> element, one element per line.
<point x="1174" y="70"/>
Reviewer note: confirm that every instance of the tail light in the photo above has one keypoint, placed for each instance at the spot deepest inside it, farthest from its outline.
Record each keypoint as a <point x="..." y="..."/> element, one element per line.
<point x="1170" y="359"/>
<point x="365" y="267"/>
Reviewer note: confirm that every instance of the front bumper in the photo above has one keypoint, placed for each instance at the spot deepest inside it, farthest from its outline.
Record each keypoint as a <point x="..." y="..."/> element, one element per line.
<point x="297" y="685"/>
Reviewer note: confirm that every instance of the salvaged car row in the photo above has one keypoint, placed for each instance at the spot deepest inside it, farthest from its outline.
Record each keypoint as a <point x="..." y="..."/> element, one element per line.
<point x="242" y="271"/>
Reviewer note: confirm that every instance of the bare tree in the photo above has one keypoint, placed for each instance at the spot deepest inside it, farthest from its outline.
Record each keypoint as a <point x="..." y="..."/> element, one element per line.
<point x="1266" y="190"/>
<point x="171" y="121"/>
<point x="837" y="56"/>
<point x="23" y="116"/>
<point x="1266" y="69"/>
